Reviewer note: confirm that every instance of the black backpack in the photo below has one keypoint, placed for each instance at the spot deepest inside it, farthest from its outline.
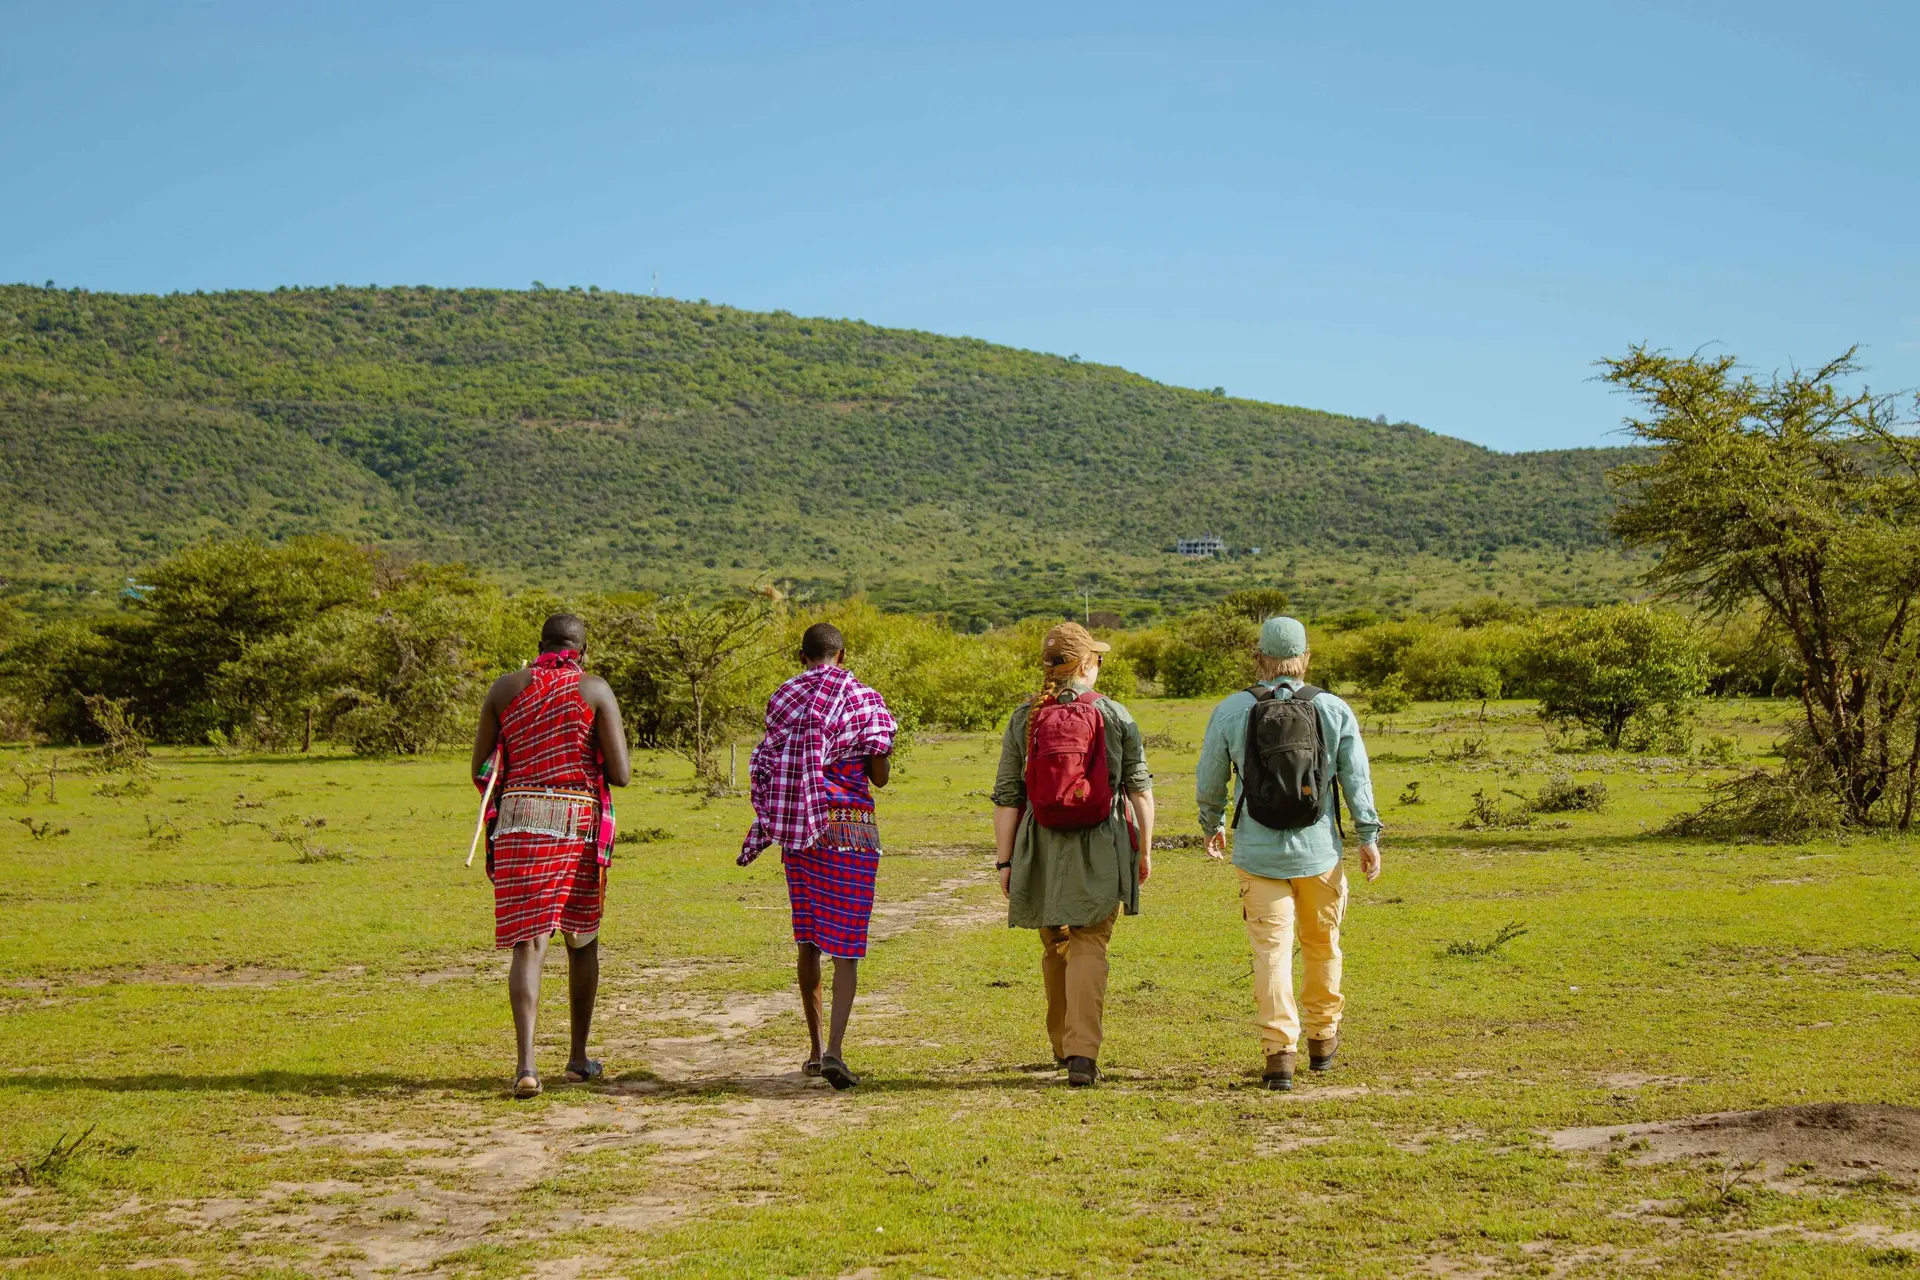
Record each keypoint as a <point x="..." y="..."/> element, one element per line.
<point x="1287" y="780"/>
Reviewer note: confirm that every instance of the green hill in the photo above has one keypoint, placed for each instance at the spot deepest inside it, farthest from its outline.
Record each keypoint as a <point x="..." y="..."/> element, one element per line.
<point x="650" y="442"/>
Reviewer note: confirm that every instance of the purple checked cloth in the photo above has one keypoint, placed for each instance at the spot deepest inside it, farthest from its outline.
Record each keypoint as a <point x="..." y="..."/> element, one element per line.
<point x="820" y="717"/>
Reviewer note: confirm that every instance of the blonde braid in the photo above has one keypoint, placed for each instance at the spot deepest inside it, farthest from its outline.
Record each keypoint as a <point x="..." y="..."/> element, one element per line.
<point x="1048" y="691"/>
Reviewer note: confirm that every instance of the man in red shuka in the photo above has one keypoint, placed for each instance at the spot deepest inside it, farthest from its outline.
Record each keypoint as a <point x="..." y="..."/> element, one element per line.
<point x="551" y="828"/>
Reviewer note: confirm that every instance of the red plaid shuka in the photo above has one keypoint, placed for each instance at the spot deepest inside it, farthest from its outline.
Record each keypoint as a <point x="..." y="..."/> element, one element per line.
<point x="543" y="850"/>
<point x="821" y="717"/>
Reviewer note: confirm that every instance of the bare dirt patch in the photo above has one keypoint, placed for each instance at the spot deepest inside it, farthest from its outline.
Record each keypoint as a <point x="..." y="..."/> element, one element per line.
<point x="466" y="1184"/>
<point x="195" y="975"/>
<point x="1640" y="1080"/>
<point x="942" y="905"/>
<point x="719" y="1053"/>
<point x="1836" y="1138"/>
<point x="1280" y="1141"/>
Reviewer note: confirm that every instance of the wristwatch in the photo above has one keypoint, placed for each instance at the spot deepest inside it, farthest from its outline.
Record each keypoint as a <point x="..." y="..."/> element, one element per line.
<point x="1002" y="866"/>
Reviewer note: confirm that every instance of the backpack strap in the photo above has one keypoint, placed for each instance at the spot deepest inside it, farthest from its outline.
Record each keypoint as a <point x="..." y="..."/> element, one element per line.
<point x="1261" y="693"/>
<point x="1307" y="693"/>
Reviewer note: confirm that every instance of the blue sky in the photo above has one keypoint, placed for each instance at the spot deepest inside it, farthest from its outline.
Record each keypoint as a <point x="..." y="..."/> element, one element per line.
<point x="1442" y="213"/>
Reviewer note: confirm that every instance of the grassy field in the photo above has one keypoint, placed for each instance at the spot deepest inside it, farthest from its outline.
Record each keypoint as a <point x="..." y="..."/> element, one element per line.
<point x="262" y="990"/>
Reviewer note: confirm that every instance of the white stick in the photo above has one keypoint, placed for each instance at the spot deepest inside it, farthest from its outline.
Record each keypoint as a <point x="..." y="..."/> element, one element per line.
<point x="480" y="827"/>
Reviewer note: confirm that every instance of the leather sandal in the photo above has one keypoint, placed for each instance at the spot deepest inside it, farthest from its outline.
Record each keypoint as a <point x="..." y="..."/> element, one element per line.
<point x="527" y="1086"/>
<point x="585" y="1072"/>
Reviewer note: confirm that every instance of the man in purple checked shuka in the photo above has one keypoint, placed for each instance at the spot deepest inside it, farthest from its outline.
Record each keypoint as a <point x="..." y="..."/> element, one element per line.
<point x="828" y="741"/>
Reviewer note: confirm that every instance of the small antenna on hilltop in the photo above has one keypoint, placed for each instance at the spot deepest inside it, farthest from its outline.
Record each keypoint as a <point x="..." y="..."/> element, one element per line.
<point x="656" y="282"/>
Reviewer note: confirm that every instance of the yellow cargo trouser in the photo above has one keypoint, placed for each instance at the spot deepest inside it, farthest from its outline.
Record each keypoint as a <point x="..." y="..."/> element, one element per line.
<point x="1275" y="911"/>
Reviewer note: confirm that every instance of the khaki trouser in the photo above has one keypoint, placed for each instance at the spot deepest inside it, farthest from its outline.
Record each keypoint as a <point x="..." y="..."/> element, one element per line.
<point x="1073" y="964"/>
<point x="1274" y="910"/>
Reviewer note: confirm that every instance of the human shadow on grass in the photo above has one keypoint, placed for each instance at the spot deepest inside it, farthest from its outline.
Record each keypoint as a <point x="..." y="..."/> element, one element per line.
<point x="1020" y="1080"/>
<point x="1024" y="1078"/>
<point x="328" y="1084"/>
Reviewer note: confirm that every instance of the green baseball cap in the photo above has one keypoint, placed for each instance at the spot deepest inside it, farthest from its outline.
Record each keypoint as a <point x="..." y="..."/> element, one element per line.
<point x="1283" y="637"/>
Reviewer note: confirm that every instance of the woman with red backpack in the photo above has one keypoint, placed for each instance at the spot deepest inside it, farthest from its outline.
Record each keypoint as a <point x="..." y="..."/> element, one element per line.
<point x="1073" y="827"/>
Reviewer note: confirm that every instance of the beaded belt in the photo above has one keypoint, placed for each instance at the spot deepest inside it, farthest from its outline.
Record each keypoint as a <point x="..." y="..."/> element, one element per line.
<point x="545" y="811"/>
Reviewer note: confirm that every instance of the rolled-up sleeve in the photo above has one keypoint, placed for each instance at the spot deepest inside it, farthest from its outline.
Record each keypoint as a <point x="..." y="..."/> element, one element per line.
<point x="1009" y="781"/>
<point x="1213" y="773"/>
<point x="1356" y="775"/>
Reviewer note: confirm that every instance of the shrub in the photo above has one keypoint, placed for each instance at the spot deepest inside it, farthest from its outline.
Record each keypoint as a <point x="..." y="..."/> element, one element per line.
<point x="1208" y="653"/>
<point x="1764" y="806"/>
<point x="404" y="679"/>
<point x="17" y="719"/>
<point x="1368" y="655"/>
<point x="1470" y="950"/>
<point x="125" y="747"/>
<point x="1563" y="795"/>
<point x="1141" y="650"/>
<point x="1255" y="604"/>
<point x="1720" y="750"/>
<point x="1351" y="620"/>
<point x="930" y="674"/>
<point x="208" y="603"/>
<point x="1488" y="814"/>
<point x="1625" y="673"/>
<point x="1446" y="664"/>
<point x="1389" y="696"/>
<point x="1481" y="611"/>
<point x="47" y="673"/>
<point x="1436" y="662"/>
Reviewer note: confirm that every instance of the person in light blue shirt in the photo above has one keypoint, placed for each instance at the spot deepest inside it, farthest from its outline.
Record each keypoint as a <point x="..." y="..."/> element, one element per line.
<point x="1291" y="881"/>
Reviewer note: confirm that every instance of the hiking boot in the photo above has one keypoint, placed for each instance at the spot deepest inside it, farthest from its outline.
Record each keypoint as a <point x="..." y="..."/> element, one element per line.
<point x="1320" y="1052"/>
<point x="1081" y="1072"/>
<point x="1279" y="1072"/>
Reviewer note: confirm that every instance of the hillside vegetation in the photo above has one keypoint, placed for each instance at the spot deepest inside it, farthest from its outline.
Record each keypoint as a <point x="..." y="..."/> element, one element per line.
<point x="649" y="441"/>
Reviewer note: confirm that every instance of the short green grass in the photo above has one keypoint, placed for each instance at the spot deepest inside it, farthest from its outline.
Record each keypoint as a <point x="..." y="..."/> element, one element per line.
<point x="299" y="1068"/>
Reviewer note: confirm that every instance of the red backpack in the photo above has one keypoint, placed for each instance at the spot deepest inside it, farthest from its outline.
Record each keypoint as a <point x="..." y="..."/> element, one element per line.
<point x="1067" y="783"/>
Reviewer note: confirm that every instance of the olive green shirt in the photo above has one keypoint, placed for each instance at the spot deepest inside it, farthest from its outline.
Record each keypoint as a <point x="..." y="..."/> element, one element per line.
<point x="1073" y="877"/>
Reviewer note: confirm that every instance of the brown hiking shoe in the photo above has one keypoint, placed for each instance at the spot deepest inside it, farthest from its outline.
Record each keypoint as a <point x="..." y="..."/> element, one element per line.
<point x="1320" y="1052"/>
<point x="1081" y="1072"/>
<point x="1279" y="1072"/>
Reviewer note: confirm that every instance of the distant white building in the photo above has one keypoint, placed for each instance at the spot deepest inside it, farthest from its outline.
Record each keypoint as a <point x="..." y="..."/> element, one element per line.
<point x="1199" y="548"/>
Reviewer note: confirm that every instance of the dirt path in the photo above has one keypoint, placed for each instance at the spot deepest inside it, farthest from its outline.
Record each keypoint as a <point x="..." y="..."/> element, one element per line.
<point x="467" y="1182"/>
<point x="705" y="1082"/>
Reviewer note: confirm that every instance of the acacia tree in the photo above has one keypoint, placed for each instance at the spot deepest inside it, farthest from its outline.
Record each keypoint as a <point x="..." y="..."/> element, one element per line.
<point x="1256" y="604"/>
<point x="704" y="652"/>
<point x="1801" y="498"/>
